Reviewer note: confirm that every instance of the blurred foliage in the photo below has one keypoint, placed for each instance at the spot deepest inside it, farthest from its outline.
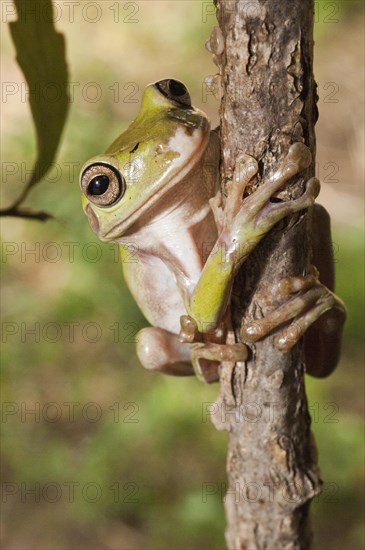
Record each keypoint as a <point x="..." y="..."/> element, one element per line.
<point x="40" y="52"/>
<point x="41" y="55"/>
<point x="135" y="462"/>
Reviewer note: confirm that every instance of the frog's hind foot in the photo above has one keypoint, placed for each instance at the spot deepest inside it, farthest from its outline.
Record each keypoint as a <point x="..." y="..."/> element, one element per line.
<point x="206" y="358"/>
<point x="307" y="302"/>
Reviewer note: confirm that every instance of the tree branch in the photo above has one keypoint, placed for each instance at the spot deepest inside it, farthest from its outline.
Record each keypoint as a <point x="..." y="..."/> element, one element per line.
<point x="268" y="103"/>
<point x="26" y="213"/>
<point x="40" y="53"/>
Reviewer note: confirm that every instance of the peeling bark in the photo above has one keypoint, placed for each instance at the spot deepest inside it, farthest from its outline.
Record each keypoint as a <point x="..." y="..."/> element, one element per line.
<point x="269" y="102"/>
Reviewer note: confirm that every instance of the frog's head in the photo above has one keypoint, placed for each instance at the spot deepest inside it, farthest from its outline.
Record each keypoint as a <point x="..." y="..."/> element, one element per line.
<point x="159" y="148"/>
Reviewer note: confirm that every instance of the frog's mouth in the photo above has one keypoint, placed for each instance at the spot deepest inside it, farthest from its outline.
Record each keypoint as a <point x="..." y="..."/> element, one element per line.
<point x="92" y="219"/>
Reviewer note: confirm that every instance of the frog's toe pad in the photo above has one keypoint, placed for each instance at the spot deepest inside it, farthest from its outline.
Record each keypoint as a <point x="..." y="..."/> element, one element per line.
<point x="313" y="188"/>
<point x="300" y="155"/>
<point x="245" y="169"/>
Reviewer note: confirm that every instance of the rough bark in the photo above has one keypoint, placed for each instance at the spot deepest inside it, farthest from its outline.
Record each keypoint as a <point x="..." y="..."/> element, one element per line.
<point x="269" y="102"/>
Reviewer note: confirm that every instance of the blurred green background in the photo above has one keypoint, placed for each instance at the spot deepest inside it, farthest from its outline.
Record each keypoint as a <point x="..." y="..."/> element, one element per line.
<point x="118" y="457"/>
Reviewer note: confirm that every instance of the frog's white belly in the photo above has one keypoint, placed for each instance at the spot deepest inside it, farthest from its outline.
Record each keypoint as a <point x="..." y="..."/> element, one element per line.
<point x="156" y="292"/>
<point x="152" y="278"/>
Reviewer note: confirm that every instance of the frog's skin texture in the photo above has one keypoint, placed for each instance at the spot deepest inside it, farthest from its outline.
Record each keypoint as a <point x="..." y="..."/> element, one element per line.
<point x="156" y="193"/>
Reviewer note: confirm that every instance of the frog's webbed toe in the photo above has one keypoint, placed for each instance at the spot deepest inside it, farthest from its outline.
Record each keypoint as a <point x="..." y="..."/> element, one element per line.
<point x="307" y="302"/>
<point x="216" y="206"/>
<point x="207" y="356"/>
<point x="274" y="212"/>
<point x="246" y="168"/>
<point x="160" y="351"/>
<point x="258" y="212"/>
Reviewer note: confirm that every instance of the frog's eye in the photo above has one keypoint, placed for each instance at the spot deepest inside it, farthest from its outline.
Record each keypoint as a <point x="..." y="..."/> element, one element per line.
<point x="175" y="90"/>
<point x="102" y="184"/>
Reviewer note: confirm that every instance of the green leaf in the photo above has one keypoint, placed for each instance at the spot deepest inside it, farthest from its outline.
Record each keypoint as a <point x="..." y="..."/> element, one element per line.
<point x="41" y="56"/>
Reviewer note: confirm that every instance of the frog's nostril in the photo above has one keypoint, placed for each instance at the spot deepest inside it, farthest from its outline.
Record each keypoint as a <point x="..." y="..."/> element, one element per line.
<point x="93" y="220"/>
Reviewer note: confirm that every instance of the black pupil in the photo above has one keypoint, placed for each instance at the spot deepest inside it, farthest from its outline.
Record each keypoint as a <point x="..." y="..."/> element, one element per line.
<point x="98" y="185"/>
<point x="177" y="88"/>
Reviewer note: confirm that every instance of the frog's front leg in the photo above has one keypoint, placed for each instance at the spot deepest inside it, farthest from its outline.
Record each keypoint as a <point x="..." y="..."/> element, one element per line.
<point x="242" y="224"/>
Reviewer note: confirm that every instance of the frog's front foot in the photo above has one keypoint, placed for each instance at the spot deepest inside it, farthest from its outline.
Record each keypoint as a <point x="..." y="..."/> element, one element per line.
<point x="244" y="222"/>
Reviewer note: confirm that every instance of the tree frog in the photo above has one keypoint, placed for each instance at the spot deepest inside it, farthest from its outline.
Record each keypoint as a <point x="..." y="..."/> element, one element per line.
<point x="156" y="193"/>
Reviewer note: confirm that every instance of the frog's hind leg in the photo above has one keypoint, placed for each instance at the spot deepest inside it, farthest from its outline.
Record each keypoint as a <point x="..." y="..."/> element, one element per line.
<point x="308" y="305"/>
<point x="160" y="351"/>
